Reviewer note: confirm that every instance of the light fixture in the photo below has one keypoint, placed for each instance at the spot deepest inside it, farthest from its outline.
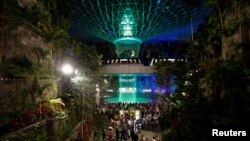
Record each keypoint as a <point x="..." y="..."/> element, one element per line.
<point x="67" y="69"/>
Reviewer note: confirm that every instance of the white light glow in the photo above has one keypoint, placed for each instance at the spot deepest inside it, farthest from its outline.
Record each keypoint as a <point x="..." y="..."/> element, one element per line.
<point x="97" y="89"/>
<point x="137" y="114"/>
<point x="76" y="72"/>
<point x="126" y="23"/>
<point x="187" y="83"/>
<point x="109" y="90"/>
<point x="172" y="60"/>
<point x="105" y="81"/>
<point x="133" y="53"/>
<point x="67" y="69"/>
<point x="77" y="79"/>
<point x="127" y="90"/>
<point x="127" y="33"/>
<point x="128" y="28"/>
<point x="146" y="90"/>
<point x="127" y="80"/>
<point x="121" y="112"/>
<point x="183" y="93"/>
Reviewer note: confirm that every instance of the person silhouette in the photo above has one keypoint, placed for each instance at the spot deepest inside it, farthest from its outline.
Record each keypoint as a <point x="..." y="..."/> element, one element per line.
<point x="103" y="135"/>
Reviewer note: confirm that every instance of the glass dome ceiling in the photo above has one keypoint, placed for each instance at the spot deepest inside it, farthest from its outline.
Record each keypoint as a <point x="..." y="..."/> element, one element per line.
<point x="138" y="20"/>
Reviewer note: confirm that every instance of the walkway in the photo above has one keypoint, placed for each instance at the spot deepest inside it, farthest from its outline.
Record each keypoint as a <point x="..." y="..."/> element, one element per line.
<point x="112" y="119"/>
<point x="149" y="134"/>
<point x="146" y="134"/>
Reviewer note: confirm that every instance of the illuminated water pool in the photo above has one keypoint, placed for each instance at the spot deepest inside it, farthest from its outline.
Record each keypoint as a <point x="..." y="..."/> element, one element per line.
<point x="138" y="100"/>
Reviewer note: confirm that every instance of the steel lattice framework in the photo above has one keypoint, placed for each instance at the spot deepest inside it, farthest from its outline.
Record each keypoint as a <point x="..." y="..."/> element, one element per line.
<point x="144" y="20"/>
<point x="128" y="23"/>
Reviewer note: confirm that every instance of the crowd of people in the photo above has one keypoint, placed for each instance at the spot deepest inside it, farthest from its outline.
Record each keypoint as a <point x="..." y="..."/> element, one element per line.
<point x="124" y="124"/>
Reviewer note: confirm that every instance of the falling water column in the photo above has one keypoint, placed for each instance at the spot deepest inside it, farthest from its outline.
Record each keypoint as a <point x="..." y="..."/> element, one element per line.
<point x="127" y="88"/>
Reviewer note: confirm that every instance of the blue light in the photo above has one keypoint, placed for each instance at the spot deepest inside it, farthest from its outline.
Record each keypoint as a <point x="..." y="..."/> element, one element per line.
<point x="140" y="88"/>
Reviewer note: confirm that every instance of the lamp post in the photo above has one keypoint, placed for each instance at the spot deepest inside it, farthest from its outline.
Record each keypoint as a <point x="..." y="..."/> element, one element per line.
<point x="66" y="73"/>
<point x="68" y="70"/>
<point x="51" y="124"/>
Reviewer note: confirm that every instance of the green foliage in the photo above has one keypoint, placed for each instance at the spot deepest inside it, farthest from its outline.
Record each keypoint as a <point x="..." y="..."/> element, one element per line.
<point x="87" y="57"/>
<point x="218" y="3"/>
<point x="232" y="73"/>
<point x="22" y="61"/>
<point x="194" y="56"/>
<point x="246" y="71"/>
<point x="65" y="130"/>
<point x="56" y="106"/>
<point x="169" y="134"/>
<point x="18" y="66"/>
<point x="13" y="14"/>
<point x="40" y="52"/>
<point x="190" y="116"/>
<point x="40" y="17"/>
<point x="42" y="88"/>
<point x="59" y="37"/>
<point x="26" y="104"/>
<point x="5" y="119"/>
<point x="33" y="135"/>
